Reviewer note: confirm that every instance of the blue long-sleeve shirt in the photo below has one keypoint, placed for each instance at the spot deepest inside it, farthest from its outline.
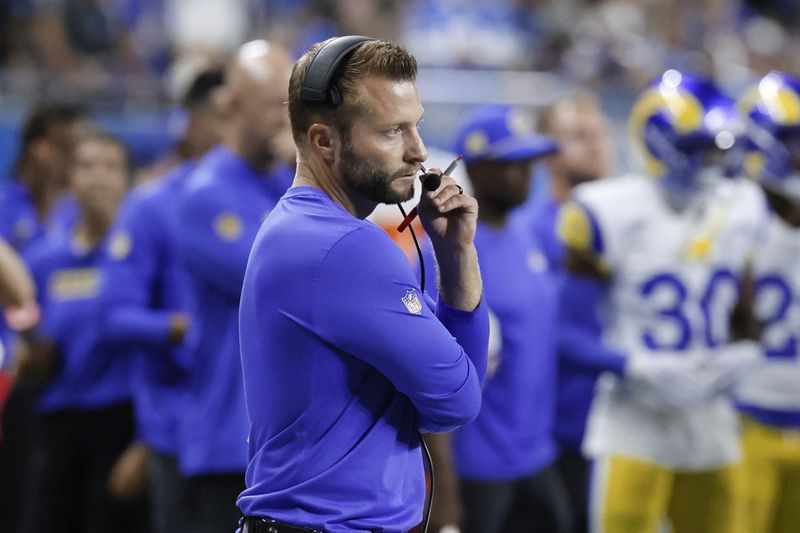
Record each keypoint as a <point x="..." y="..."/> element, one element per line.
<point x="344" y="362"/>
<point x="19" y="222"/>
<point x="91" y="370"/>
<point x="143" y="285"/>
<point x="582" y="353"/>
<point x="513" y="435"/>
<point x="20" y="227"/>
<point x="583" y="356"/>
<point x="222" y="205"/>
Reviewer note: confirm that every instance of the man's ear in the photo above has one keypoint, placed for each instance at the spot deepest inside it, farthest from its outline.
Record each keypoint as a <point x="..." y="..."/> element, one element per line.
<point x="324" y="141"/>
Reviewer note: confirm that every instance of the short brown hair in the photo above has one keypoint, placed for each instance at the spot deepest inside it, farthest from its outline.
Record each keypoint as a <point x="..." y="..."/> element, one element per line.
<point x="373" y="58"/>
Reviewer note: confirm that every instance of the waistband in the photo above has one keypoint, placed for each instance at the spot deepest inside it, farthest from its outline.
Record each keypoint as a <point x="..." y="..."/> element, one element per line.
<point x="253" y="524"/>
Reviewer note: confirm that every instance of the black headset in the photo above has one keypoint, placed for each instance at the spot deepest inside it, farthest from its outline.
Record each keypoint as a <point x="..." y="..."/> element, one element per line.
<point x="317" y="86"/>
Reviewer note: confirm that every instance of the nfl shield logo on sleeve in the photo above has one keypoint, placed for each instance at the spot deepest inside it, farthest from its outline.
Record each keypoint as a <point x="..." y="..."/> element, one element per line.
<point x="412" y="302"/>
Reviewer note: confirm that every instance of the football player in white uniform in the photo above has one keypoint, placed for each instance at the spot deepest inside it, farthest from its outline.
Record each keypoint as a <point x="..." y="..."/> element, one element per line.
<point x="770" y="397"/>
<point x="672" y="248"/>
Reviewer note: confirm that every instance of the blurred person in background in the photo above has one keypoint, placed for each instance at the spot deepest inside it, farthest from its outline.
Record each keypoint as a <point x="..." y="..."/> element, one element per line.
<point x="83" y="406"/>
<point x="143" y="295"/>
<point x="670" y="249"/>
<point x="769" y="398"/>
<point x="584" y="136"/>
<point x="502" y="464"/>
<point x="221" y="206"/>
<point x="204" y="120"/>
<point x="32" y="203"/>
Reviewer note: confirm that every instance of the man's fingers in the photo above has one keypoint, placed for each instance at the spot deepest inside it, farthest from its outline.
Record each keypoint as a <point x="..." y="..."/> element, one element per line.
<point x="442" y="198"/>
<point x="456" y="201"/>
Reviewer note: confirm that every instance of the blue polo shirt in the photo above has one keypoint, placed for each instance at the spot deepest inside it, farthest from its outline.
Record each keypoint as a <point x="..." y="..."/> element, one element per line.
<point x="512" y="436"/>
<point x="20" y="227"/>
<point x="91" y="370"/>
<point x="582" y="355"/>
<point x="344" y="363"/>
<point x="143" y="285"/>
<point x="222" y="205"/>
<point x="20" y="224"/>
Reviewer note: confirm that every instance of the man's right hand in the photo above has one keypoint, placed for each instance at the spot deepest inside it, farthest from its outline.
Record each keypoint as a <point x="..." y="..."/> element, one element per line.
<point x="448" y="214"/>
<point x="450" y="218"/>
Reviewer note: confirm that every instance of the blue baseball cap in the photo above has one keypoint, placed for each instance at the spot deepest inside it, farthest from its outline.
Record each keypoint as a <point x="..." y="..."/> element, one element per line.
<point x="500" y="133"/>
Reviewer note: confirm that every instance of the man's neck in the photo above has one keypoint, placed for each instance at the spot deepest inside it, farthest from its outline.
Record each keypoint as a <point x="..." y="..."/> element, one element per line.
<point x="257" y="162"/>
<point x="43" y="196"/>
<point x="92" y="229"/>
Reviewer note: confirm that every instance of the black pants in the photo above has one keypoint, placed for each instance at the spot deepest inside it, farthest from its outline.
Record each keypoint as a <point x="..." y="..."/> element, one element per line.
<point x="537" y="503"/>
<point x="213" y="502"/>
<point x="70" y="495"/>
<point x="169" y="495"/>
<point x="574" y="470"/>
<point x="16" y="459"/>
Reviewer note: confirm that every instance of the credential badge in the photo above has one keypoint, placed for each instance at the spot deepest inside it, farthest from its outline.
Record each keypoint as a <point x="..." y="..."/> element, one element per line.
<point x="412" y="302"/>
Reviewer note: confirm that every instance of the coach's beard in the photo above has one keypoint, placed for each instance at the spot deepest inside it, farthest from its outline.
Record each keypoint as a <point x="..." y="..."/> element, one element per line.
<point x="372" y="182"/>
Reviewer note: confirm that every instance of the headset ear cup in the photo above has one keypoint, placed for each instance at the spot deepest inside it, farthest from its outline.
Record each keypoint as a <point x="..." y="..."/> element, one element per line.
<point x="334" y="96"/>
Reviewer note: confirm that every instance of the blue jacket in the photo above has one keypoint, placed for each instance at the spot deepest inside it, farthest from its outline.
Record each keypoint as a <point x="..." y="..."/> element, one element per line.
<point x="143" y="285"/>
<point x="222" y="205"/>
<point x="19" y="223"/>
<point x="513" y="435"/>
<point x="91" y="370"/>
<point x="582" y="353"/>
<point x="21" y="227"/>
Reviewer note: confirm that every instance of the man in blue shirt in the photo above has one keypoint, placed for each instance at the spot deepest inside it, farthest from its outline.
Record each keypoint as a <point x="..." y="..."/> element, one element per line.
<point x="143" y="294"/>
<point x="502" y="464"/>
<point x="220" y="208"/>
<point x="344" y="361"/>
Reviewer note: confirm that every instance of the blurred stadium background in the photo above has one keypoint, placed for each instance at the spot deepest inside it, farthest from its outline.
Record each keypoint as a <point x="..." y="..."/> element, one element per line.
<point x="128" y="60"/>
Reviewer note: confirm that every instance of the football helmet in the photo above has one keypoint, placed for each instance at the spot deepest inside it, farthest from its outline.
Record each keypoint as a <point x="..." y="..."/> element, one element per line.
<point x="771" y="110"/>
<point x="685" y="128"/>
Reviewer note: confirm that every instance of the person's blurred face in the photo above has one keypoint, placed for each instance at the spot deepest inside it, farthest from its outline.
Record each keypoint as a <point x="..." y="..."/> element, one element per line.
<point x="262" y="113"/>
<point x="585" y="138"/>
<point x="52" y="153"/>
<point x="503" y="184"/>
<point x="205" y="128"/>
<point x="99" y="176"/>
<point x="382" y="150"/>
